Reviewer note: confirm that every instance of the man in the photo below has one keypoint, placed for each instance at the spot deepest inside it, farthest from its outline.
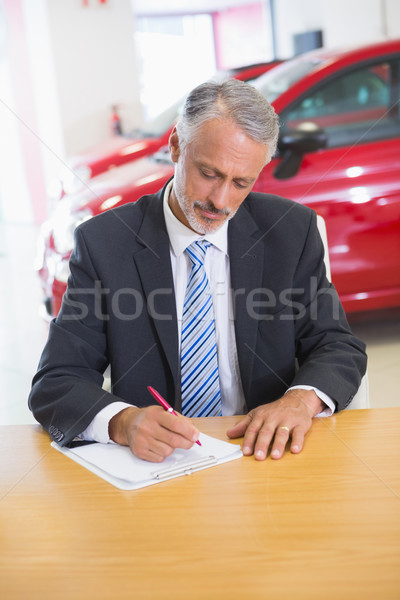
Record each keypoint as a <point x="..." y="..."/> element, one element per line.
<point x="278" y="346"/>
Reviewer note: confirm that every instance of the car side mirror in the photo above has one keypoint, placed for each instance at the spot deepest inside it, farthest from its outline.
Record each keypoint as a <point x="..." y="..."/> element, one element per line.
<point x="293" y="143"/>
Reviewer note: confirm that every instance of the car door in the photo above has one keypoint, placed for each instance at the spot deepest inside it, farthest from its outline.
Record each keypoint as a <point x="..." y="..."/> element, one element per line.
<point x="354" y="182"/>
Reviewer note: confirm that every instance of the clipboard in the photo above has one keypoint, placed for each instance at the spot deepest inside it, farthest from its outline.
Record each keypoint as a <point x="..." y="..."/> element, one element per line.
<point x="117" y="465"/>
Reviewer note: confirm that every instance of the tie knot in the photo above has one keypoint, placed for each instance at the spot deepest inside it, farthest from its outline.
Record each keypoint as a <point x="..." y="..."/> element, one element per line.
<point x="197" y="251"/>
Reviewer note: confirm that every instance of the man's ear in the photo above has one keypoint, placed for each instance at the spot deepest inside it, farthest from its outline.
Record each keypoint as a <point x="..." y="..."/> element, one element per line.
<point x="173" y="145"/>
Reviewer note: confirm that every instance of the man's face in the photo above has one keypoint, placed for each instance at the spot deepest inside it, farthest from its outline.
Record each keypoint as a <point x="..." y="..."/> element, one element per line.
<point x="214" y="174"/>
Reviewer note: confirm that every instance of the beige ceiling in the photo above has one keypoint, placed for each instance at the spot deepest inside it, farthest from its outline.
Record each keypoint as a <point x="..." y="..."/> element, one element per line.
<point x="164" y="7"/>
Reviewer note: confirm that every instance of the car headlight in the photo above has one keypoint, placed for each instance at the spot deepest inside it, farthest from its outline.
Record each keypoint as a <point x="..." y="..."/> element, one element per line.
<point x="64" y="224"/>
<point x="73" y="179"/>
<point x="61" y="270"/>
<point x="55" y="190"/>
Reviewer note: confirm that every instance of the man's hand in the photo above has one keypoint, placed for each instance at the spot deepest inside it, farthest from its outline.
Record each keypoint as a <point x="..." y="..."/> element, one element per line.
<point x="152" y="433"/>
<point x="290" y="416"/>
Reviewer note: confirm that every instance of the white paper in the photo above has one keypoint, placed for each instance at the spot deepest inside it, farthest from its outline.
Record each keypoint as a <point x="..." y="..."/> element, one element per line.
<point x="117" y="465"/>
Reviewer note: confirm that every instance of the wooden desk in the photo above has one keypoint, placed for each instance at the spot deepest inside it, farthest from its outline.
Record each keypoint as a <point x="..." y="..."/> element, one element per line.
<point x="323" y="524"/>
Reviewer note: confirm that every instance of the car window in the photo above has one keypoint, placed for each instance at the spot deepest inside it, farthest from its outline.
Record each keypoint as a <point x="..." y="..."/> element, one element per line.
<point x="278" y="80"/>
<point x="353" y="107"/>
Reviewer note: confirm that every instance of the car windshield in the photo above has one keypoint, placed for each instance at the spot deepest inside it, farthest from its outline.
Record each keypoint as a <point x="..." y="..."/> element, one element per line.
<point x="276" y="81"/>
<point x="162" y="156"/>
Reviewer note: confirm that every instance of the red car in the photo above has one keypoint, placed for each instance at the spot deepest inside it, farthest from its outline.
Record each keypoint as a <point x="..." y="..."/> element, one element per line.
<point x="141" y="142"/>
<point x="338" y="152"/>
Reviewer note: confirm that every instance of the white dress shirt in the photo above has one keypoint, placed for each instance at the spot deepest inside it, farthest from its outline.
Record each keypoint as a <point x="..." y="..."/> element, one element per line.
<point x="217" y="267"/>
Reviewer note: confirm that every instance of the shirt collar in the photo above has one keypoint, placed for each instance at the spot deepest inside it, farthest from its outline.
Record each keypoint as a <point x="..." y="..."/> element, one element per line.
<point x="181" y="236"/>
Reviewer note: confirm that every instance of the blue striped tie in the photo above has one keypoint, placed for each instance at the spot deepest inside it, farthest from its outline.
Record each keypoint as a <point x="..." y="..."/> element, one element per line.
<point x="201" y="396"/>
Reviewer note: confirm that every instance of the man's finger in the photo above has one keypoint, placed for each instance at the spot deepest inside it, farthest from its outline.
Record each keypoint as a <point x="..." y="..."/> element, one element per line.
<point x="180" y="426"/>
<point x="257" y="438"/>
<point x="152" y="451"/>
<point x="263" y="442"/>
<point x="154" y="441"/>
<point x="297" y="440"/>
<point x="175" y="440"/>
<point x="280" y="440"/>
<point x="239" y="429"/>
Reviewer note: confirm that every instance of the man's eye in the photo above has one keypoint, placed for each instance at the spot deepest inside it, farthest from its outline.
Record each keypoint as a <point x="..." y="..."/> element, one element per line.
<point x="207" y="175"/>
<point x="240" y="186"/>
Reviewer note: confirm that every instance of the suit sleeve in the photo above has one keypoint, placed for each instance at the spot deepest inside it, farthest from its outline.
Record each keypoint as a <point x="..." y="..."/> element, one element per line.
<point x="330" y="357"/>
<point x="67" y="388"/>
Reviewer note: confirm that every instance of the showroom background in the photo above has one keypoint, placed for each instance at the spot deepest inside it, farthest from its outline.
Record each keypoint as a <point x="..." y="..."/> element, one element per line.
<point x="65" y="63"/>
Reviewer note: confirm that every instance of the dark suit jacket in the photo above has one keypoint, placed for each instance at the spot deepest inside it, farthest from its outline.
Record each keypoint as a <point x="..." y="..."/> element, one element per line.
<point x="119" y="309"/>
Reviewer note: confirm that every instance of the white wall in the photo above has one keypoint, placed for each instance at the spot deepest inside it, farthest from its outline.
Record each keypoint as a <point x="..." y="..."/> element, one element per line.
<point x="22" y="186"/>
<point x="15" y="201"/>
<point x="45" y="96"/>
<point x="94" y="57"/>
<point x="343" y="22"/>
<point x="63" y="64"/>
<point x="391" y="9"/>
<point x="352" y="22"/>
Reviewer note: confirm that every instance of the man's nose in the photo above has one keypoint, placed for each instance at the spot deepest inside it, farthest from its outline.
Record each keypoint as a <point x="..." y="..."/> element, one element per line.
<point x="220" y="195"/>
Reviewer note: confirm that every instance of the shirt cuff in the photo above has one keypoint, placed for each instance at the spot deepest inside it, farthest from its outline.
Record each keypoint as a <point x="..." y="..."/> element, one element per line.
<point x="97" y="430"/>
<point x="327" y="400"/>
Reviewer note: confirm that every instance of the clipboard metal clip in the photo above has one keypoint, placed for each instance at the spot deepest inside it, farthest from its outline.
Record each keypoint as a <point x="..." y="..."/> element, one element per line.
<point x="186" y="469"/>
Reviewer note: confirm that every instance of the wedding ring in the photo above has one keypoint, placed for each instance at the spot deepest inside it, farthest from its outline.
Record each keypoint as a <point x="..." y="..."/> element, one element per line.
<point x="284" y="427"/>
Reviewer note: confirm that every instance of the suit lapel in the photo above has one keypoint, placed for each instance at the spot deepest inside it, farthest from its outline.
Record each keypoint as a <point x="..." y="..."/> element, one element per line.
<point x="246" y="264"/>
<point x="154" y="267"/>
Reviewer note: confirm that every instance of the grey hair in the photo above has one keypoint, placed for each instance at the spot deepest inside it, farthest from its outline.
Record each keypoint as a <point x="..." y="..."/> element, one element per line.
<point x="231" y="100"/>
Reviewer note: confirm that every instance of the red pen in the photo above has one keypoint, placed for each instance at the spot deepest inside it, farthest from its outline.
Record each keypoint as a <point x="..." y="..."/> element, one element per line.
<point x="164" y="403"/>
